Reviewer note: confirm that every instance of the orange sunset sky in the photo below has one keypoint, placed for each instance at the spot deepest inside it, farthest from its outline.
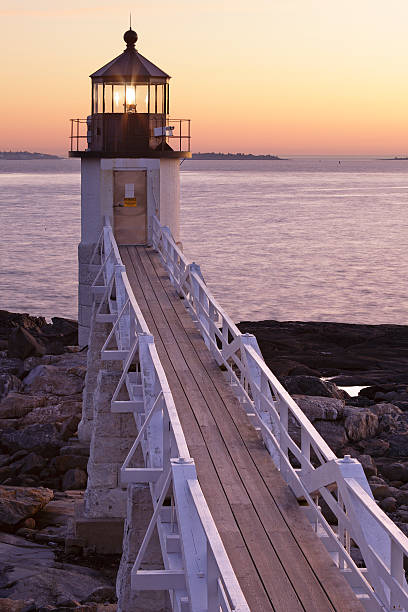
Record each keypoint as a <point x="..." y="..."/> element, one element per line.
<point x="262" y="76"/>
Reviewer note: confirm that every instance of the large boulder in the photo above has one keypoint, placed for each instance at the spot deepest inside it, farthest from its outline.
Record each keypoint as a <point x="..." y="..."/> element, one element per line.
<point x="395" y="471"/>
<point x="63" y="331"/>
<point x="311" y="385"/>
<point x="74" y="479"/>
<point x="22" y="344"/>
<point x="333" y="433"/>
<point x="44" y="439"/>
<point x="10" y="320"/>
<point x="51" y="414"/>
<point x="30" y="570"/>
<point x="361" y="424"/>
<point x="17" y="405"/>
<point x="51" y="380"/>
<point x="63" y="463"/>
<point x="319" y="408"/>
<point x="19" y="503"/>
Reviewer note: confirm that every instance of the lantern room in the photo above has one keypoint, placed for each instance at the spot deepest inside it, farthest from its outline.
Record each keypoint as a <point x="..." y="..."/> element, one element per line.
<point x="129" y="111"/>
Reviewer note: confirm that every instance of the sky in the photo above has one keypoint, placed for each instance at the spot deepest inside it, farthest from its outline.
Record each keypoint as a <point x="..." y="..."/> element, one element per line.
<point x="282" y="77"/>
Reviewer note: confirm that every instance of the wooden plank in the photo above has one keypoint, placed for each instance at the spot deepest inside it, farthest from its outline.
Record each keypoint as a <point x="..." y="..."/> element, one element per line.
<point x="245" y="569"/>
<point x="310" y="547"/>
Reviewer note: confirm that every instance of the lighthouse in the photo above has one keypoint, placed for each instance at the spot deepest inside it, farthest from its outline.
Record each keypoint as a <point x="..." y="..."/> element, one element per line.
<point x="130" y="152"/>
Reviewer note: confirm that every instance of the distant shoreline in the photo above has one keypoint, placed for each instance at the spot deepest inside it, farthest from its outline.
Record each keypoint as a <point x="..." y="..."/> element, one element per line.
<point x="18" y="155"/>
<point x="393" y="158"/>
<point x="228" y="156"/>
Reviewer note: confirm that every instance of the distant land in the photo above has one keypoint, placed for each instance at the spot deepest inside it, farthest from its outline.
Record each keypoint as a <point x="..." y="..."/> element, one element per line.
<point x="26" y="155"/>
<point x="233" y="156"/>
<point x="396" y="158"/>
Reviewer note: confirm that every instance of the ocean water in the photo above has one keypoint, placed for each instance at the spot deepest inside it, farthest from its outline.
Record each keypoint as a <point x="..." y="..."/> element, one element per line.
<point x="302" y="239"/>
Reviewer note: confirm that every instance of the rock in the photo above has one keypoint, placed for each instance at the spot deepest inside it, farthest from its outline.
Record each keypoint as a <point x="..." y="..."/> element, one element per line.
<point x="402" y="498"/>
<point x="69" y="427"/>
<point x="32" y="464"/>
<point x="17" y="405"/>
<point x="359" y="402"/>
<point x="368" y="464"/>
<point x="63" y="330"/>
<point x="311" y="385"/>
<point x="22" y="344"/>
<point x="333" y="433"/>
<point x="44" y="440"/>
<point x="360" y="425"/>
<point x="74" y="479"/>
<point x="319" y="408"/>
<point x="389" y="504"/>
<point x="11" y="365"/>
<point x="361" y="354"/>
<point x="28" y="567"/>
<point x="29" y="523"/>
<point x="385" y="409"/>
<point x="381" y="491"/>
<point x="51" y="414"/>
<point x="398" y="445"/>
<point x="403" y="515"/>
<point x="13" y="605"/>
<point x="76" y="449"/>
<point x="63" y="463"/>
<point x="102" y="594"/>
<point x="395" y="471"/>
<point x="11" y="320"/>
<point x="375" y="447"/>
<point x="51" y="380"/>
<point x="9" y="382"/>
<point x="19" y="503"/>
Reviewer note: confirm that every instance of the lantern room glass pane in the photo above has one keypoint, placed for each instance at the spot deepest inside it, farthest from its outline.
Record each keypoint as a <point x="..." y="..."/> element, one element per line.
<point x="99" y="104"/>
<point x="159" y="99"/>
<point x="108" y="98"/>
<point x="95" y="98"/>
<point x="118" y="98"/>
<point x="142" y="93"/>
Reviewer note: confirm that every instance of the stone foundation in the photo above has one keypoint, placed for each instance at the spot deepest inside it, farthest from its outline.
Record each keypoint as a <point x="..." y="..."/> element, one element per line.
<point x="112" y="438"/>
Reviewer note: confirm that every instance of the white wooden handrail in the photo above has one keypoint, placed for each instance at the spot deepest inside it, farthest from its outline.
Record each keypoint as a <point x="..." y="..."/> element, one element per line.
<point x="304" y="459"/>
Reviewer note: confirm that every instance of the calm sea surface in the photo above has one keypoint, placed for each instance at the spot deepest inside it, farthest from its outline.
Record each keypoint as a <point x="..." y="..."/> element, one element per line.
<point x="303" y="239"/>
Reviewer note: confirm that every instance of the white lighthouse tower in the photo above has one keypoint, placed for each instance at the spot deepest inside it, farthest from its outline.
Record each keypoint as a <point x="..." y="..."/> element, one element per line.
<point x="130" y="157"/>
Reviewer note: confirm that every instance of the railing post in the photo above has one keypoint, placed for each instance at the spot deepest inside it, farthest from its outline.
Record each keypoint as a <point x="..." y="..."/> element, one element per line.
<point x="368" y="532"/>
<point x="150" y="392"/>
<point x="123" y="329"/>
<point x="201" y="304"/>
<point x="191" y="533"/>
<point x="254" y="375"/>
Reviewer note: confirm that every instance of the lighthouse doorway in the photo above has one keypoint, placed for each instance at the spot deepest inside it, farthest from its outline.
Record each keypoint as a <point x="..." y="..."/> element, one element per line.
<point x="130" y="206"/>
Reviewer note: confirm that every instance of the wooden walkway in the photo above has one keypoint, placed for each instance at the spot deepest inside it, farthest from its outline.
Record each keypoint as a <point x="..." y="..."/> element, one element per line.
<point x="280" y="563"/>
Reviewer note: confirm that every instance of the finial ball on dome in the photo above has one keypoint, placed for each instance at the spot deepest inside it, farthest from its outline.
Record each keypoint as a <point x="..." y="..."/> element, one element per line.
<point x="130" y="37"/>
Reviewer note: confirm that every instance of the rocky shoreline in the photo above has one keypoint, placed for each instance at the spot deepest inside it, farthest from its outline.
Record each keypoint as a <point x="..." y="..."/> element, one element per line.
<point x="43" y="465"/>
<point x="43" y="471"/>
